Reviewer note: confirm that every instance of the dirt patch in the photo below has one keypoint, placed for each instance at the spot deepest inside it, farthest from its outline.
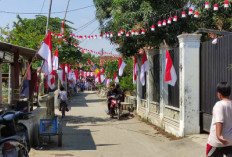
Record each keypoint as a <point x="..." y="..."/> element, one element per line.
<point x="160" y="130"/>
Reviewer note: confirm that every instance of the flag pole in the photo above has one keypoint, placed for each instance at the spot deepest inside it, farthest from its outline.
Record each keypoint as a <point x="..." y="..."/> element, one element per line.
<point x="49" y="14"/>
<point x="24" y="77"/>
<point x="165" y="44"/>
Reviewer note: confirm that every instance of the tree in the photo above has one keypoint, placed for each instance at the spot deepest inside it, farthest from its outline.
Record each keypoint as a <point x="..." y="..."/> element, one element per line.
<point x="31" y="32"/>
<point x="126" y="81"/>
<point x="219" y="20"/>
<point x="138" y="14"/>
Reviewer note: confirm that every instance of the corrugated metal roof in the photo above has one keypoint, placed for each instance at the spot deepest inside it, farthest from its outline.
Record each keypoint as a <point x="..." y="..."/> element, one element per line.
<point x="23" y="51"/>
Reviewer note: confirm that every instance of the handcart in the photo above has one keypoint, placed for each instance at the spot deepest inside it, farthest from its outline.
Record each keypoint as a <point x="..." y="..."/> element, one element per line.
<point x="51" y="127"/>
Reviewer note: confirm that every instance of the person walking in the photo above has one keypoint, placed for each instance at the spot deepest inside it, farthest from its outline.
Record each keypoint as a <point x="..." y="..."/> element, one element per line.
<point x="220" y="137"/>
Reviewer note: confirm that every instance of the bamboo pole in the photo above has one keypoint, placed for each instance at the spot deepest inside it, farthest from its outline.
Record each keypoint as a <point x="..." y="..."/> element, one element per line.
<point x="24" y="77"/>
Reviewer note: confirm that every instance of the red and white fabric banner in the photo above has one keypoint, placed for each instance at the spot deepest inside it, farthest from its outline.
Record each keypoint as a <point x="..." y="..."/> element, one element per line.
<point x="116" y="77"/>
<point x="56" y="60"/>
<point x="102" y="78"/>
<point x="45" y="52"/>
<point x="29" y="72"/>
<point x="144" y="68"/>
<point x="170" y="72"/>
<point x="121" y="66"/>
<point x="60" y="76"/>
<point x="135" y="69"/>
<point x="63" y="71"/>
<point x="108" y="82"/>
<point x="51" y="81"/>
<point x="63" y="27"/>
<point x="76" y="74"/>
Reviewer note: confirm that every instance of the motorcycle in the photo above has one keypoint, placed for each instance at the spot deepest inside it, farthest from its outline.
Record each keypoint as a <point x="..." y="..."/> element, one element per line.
<point x="14" y="140"/>
<point x="115" y="107"/>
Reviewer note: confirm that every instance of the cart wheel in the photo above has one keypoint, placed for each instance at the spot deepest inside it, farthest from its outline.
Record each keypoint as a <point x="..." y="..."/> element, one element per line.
<point x="119" y="111"/>
<point x="36" y="136"/>
<point x="60" y="135"/>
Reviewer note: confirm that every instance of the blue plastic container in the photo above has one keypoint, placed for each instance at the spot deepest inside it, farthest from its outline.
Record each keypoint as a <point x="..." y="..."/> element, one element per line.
<point x="48" y="126"/>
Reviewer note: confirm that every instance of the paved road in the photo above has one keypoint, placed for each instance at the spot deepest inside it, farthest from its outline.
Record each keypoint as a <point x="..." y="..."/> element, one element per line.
<point x="89" y="132"/>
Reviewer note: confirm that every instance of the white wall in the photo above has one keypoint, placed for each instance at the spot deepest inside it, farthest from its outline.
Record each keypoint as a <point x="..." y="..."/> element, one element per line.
<point x="185" y="119"/>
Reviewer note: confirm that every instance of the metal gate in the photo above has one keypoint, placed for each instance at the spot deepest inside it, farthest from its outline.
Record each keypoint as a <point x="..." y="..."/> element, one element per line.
<point x="173" y="92"/>
<point x="215" y="63"/>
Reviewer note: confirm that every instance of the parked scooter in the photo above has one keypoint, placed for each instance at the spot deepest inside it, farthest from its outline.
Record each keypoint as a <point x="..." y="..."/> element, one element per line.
<point x="115" y="108"/>
<point x="14" y="140"/>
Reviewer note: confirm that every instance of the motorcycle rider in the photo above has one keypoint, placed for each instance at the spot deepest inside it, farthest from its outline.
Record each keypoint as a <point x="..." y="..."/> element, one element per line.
<point x="112" y="91"/>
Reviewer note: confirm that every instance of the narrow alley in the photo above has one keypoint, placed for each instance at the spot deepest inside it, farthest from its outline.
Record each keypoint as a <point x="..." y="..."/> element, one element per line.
<point x="88" y="131"/>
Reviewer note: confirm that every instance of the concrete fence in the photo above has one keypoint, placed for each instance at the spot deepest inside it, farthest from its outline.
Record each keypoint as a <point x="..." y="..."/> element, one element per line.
<point x="182" y="120"/>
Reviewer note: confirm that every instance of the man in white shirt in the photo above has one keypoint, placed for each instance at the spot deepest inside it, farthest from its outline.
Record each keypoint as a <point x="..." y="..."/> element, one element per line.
<point x="220" y="137"/>
<point x="63" y="95"/>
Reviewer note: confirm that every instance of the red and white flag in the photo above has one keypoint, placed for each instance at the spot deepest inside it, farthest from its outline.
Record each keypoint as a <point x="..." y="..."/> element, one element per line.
<point x="51" y="81"/>
<point x="62" y="28"/>
<point x="56" y="60"/>
<point x="90" y="62"/>
<point x="66" y="68"/>
<point x="45" y="52"/>
<point x="28" y="72"/>
<point x="170" y="73"/>
<point x="135" y="69"/>
<point x="121" y="66"/>
<point x="116" y="77"/>
<point x="60" y="76"/>
<point x="76" y="74"/>
<point x="63" y="72"/>
<point x="144" y="67"/>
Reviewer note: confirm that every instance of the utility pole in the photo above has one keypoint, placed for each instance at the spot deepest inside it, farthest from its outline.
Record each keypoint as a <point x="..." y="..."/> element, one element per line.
<point x="49" y="14"/>
<point x="66" y="10"/>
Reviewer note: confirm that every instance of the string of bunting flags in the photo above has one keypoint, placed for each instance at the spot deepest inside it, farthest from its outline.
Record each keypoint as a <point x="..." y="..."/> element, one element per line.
<point x="161" y="23"/>
<point x="83" y="50"/>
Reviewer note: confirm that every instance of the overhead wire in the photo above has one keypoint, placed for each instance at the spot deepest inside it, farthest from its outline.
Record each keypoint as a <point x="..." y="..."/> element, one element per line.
<point x="42" y="7"/>
<point x="58" y="12"/>
<point x="85" y="25"/>
<point x="90" y="34"/>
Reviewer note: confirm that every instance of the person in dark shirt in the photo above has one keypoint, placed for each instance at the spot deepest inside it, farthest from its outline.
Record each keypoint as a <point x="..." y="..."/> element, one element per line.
<point x="113" y="91"/>
<point x="120" y="92"/>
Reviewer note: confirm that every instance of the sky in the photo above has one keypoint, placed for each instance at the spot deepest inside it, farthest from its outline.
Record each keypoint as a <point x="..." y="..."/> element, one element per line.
<point x="79" y="17"/>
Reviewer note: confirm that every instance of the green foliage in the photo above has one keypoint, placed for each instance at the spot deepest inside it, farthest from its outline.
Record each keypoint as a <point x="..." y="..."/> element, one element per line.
<point x="31" y="32"/>
<point x="138" y="14"/>
<point x="86" y="56"/>
<point x="219" y="20"/>
<point x="141" y="14"/>
<point x="125" y="81"/>
<point x="5" y="68"/>
<point x="111" y="67"/>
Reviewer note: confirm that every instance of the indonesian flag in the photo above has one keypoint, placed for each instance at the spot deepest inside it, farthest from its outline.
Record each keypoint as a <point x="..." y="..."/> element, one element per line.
<point x="29" y="72"/>
<point x="63" y="72"/>
<point x="60" y="75"/>
<point x="102" y="78"/>
<point x="45" y="51"/>
<point x="76" y="73"/>
<point x="116" y="77"/>
<point x="108" y="82"/>
<point x="170" y="73"/>
<point x="51" y="81"/>
<point x="56" y="60"/>
<point x="144" y="67"/>
<point x="121" y="66"/>
<point x="62" y="28"/>
<point x="89" y="61"/>
<point x="135" y="69"/>
<point x="99" y="76"/>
